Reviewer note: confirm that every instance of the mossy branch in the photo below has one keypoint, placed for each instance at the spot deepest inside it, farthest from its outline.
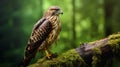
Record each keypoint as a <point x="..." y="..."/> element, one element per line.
<point x="95" y="54"/>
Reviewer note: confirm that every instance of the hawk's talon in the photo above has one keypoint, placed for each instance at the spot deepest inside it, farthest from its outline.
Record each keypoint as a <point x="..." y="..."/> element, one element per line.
<point x="48" y="55"/>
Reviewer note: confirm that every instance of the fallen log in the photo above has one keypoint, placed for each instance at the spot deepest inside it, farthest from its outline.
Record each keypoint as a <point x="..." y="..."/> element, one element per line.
<point x="99" y="53"/>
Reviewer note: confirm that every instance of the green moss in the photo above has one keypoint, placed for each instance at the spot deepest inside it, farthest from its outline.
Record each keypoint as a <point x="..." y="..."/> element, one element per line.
<point x="114" y="36"/>
<point x="69" y="58"/>
<point x="96" y="56"/>
<point x="97" y="51"/>
<point x="114" y="42"/>
<point x="113" y="39"/>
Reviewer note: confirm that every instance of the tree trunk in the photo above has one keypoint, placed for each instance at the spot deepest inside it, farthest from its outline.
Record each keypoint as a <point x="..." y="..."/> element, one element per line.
<point x="112" y="14"/>
<point x="73" y="22"/>
<point x="92" y="54"/>
<point x="108" y="7"/>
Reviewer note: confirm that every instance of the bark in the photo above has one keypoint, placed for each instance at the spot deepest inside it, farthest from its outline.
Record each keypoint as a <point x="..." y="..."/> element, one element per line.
<point x="92" y="54"/>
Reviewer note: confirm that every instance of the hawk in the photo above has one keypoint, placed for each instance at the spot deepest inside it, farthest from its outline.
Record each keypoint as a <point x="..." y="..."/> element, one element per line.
<point x="45" y="32"/>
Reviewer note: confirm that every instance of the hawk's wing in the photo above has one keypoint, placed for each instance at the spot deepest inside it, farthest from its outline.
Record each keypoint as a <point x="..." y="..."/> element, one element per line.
<point x="40" y="32"/>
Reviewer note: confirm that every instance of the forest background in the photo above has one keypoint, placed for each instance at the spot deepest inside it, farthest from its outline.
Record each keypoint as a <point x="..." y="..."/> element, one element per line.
<point x="82" y="21"/>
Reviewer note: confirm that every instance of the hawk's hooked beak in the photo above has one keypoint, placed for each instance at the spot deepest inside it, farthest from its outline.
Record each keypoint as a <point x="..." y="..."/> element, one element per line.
<point x="60" y="12"/>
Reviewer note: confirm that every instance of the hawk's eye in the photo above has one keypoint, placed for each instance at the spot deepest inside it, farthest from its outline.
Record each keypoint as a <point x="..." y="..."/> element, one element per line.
<point x="51" y="9"/>
<point x="57" y="9"/>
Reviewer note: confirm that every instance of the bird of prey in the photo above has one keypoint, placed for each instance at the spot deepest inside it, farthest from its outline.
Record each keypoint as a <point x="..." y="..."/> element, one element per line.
<point x="45" y="32"/>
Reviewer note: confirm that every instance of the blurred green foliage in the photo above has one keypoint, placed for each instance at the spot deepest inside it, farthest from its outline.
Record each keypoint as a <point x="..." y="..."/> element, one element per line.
<point x="94" y="19"/>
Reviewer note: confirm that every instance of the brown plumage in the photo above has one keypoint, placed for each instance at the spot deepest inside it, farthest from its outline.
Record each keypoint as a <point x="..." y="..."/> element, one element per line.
<point x="44" y="33"/>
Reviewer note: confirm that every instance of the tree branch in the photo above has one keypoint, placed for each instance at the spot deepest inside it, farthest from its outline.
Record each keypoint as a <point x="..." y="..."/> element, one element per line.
<point x="95" y="54"/>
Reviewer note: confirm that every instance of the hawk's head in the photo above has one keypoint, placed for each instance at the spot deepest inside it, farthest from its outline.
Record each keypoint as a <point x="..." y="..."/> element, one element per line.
<point x="53" y="10"/>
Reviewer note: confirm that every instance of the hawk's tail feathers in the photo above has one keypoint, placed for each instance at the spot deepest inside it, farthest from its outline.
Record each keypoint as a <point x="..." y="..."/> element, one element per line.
<point x="27" y="58"/>
<point x="25" y="62"/>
